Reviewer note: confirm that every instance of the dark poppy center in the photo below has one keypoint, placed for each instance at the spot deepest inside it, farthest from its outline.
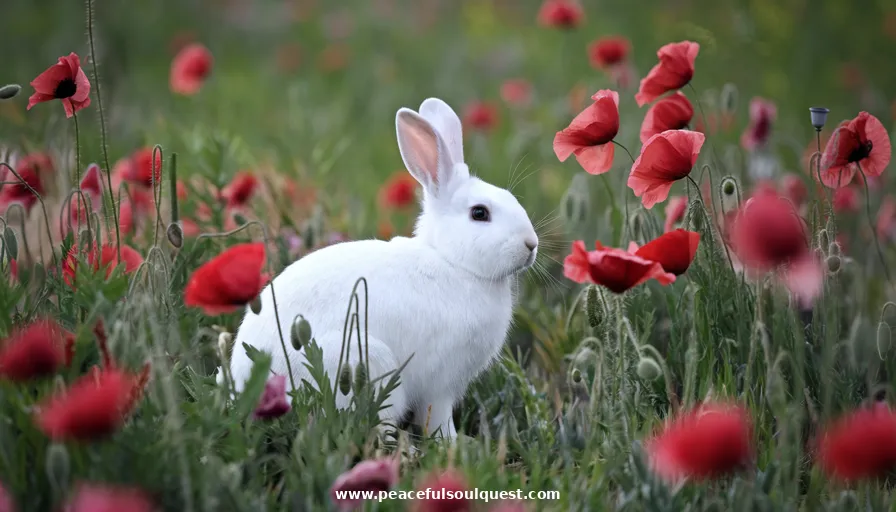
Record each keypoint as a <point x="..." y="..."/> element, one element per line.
<point x="861" y="152"/>
<point x="66" y="88"/>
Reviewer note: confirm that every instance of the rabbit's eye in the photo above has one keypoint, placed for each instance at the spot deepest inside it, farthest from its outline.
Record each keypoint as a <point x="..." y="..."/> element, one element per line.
<point x="479" y="213"/>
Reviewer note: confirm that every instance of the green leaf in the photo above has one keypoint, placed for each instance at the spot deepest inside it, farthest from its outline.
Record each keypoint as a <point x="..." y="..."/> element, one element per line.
<point x="12" y="245"/>
<point x="248" y="399"/>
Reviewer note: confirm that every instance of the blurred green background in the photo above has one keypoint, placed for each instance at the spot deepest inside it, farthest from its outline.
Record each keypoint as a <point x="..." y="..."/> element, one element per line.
<point x="311" y="86"/>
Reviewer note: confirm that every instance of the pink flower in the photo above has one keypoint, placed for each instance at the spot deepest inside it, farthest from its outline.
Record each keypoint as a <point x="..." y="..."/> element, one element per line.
<point x="863" y="142"/>
<point x="516" y="92"/>
<point x="368" y="475"/>
<point x="64" y="81"/>
<point x="666" y="158"/>
<point x="590" y="134"/>
<point x="674" y="70"/>
<point x="190" y="68"/>
<point x="90" y="497"/>
<point x="675" y="211"/>
<point x="762" y="116"/>
<point x="273" y="403"/>
<point x="445" y="492"/>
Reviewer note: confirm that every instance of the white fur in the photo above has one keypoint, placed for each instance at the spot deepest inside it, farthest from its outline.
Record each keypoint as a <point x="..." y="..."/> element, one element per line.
<point x="443" y="296"/>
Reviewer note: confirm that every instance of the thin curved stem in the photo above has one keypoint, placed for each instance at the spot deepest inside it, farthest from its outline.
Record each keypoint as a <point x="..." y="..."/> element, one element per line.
<point x="156" y="188"/>
<point x="880" y="252"/>
<point x="40" y="200"/>
<point x="103" y="145"/>
<point x="77" y="149"/>
<point x="624" y="185"/>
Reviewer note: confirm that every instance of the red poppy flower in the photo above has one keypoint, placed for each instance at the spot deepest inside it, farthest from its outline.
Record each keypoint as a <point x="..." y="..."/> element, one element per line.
<point x="273" y="402"/>
<point x="860" y="445"/>
<point x="369" y="475"/>
<point x="590" y="134"/>
<point x="240" y="190"/>
<point x="846" y="199"/>
<point x="444" y="492"/>
<point x="665" y="158"/>
<point x="863" y="142"/>
<point x="189" y="69"/>
<point x="64" y="81"/>
<point x="674" y="70"/>
<point x="32" y="168"/>
<point x="886" y="219"/>
<point x="140" y="169"/>
<point x="35" y="351"/>
<point x="615" y="269"/>
<point x="670" y="113"/>
<point x="674" y="250"/>
<point x="90" y="184"/>
<point x="762" y="115"/>
<point x="767" y="232"/>
<point x="228" y="281"/>
<point x="560" y="14"/>
<point x="707" y="442"/>
<point x="675" y="211"/>
<point x="104" y="498"/>
<point x="333" y="58"/>
<point x="95" y="406"/>
<point x="399" y="191"/>
<point x="516" y="92"/>
<point x="609" y="51"/>
<point x="481" y="115"/>
<point x="708" y="125"/>
<point x="108" y="259"/>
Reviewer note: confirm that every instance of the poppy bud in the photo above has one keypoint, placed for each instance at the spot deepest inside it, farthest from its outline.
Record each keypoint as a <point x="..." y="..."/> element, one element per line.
<point x="593" y="307"/>
<point x="255" y="305"/>
<point x="9" y="240"/>
<point x="833" y="263"/>
<point x="308" y="236"/>
<point x="239" y="218"/>
<point x="648" y="369"/>
<point x="818" y="116"/>
<point x="225" y="342"/>
<point x="345" y="379"/>
<point x="883" y="338"/>
<point x="360" y="377"/>
<point x="9" y="91"/>
<point x="730" y="194"/>
<point x="85" y="238"/>
<point x="576" y="376"/>
<point x="585" y="358"/>
<point x="695" y="215"/>
<point x="175" y="235"/>
<point x="58" y="467"/>
<point x="300" y="334"/>
<point x="775" y="392"/>
<point x="728" y="98"/>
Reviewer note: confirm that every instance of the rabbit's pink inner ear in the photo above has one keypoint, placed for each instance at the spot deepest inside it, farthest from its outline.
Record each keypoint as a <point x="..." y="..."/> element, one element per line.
<point x="419" y="147"/>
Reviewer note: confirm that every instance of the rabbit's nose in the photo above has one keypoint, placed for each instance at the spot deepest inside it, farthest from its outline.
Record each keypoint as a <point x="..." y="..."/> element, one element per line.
<point x="531" y="245"/>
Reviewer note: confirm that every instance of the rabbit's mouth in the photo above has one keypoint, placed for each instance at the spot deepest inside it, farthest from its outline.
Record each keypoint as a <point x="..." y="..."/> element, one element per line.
<point x="529" y="261"/>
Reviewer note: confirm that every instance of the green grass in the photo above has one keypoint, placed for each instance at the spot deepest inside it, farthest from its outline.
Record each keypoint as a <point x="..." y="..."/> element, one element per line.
<point x="526" y="423"/>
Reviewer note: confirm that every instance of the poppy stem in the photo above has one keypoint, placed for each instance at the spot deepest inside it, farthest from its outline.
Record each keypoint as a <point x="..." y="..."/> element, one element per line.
<point x="880" y="252"/>
<point x="77" y="149"/>
<point x="624" y="184"/>
<point x="43" y="207"/>
<point x="627" y="152"/>
<point x="103" y="145"/>
<point x="705" y="120"/>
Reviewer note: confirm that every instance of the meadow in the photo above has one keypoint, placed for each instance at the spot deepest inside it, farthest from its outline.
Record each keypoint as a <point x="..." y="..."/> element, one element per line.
<point x="706" y="326"/>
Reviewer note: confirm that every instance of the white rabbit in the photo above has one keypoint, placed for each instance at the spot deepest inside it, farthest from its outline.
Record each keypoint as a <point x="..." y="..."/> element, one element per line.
<point x="443" y="296"/>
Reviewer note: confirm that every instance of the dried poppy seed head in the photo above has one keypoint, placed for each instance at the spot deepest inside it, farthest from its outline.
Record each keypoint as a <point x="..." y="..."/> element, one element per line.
<point x="9" y="91"/>
<point x="175" y="235"/>
<point x="818" y="115"/>
<point x="345" y="379"/>
<point x="648" y="369"/>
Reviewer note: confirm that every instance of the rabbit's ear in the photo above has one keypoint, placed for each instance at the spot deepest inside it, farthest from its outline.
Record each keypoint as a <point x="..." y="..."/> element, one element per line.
<point x="447" y="124"/>
<point x="425" y="154"/>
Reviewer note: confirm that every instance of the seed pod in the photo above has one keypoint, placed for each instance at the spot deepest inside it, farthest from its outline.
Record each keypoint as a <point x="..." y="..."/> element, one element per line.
<point x="239" y="218"/>
<point x="648" y="369"/>
<point x="345" y="379"/>
<point x="255" y="305"/>
<point x="833" y="264"/>
<point x="175" y="235"/>
<point x="594" y="307"/>
<point x="9" y="91"/>
<point x="730" y="194"/>
<point x="360" y="377"/>
<point x="300" y="334"/>
<point x="883" y="338"/>
<point x="85" y="238"/>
